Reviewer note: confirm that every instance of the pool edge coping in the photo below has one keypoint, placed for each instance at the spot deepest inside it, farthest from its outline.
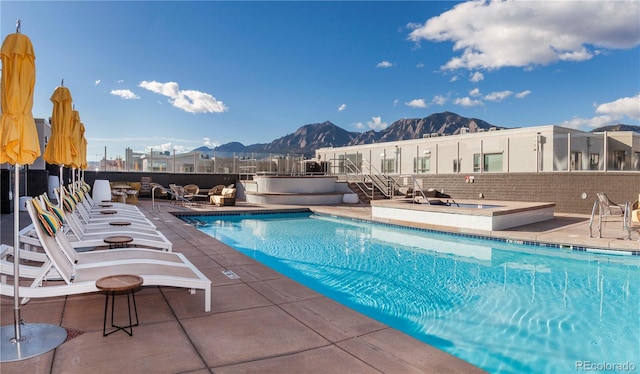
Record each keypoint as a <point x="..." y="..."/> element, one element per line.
<point x="502" y="239"/>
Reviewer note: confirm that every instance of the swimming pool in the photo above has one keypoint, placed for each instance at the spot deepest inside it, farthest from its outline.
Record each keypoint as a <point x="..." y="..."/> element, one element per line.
<point x="506" y="308"/>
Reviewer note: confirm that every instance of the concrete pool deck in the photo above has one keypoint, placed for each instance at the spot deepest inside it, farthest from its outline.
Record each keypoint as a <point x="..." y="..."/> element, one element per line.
<point x="262" y="322"/>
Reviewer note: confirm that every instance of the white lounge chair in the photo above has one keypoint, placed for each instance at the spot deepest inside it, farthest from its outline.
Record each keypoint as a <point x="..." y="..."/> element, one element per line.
<point x="90" y="204"/>
<point x="81" y="238"/>
<point x="81" y="200"/>
<point x="99" y="216"/>
<point x="82" y="278"/>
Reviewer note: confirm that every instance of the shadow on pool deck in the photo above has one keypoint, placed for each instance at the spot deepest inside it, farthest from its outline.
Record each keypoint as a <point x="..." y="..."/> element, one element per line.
<point x="262" y="322"/>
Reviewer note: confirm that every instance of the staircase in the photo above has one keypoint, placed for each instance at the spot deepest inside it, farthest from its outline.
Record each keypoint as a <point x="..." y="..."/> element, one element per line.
<point x="368" y="185"/>
<point x="366" y="191"/>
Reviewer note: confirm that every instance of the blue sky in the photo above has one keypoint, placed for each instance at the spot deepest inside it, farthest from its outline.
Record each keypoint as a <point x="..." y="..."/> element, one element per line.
<point x="179" y="75"/>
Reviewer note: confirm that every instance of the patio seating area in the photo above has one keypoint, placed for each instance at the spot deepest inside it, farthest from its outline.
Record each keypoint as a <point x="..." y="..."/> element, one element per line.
<point x="260" y="321"/>
<point x="191" y="194"/>
<point x="125" y="192"/>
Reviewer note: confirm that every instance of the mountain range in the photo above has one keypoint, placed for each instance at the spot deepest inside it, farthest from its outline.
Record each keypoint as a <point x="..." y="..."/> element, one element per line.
<point x="310" y="137"/>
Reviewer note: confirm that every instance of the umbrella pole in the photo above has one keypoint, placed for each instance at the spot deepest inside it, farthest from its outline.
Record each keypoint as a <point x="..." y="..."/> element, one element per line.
<point x="38" y="338"/>
<point x="61" y="194"/>
<point x="16" y="258"/>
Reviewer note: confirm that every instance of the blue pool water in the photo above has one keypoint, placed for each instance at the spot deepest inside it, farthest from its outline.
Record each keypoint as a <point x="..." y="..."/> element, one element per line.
<point x="506" y="308"/>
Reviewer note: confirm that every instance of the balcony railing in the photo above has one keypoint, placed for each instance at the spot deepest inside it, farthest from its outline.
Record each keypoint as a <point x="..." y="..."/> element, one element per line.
<point x="204" y="163"/>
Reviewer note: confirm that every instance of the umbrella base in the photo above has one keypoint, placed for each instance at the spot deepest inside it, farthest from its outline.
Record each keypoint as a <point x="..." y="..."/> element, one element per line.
<point x="37" y="338"/>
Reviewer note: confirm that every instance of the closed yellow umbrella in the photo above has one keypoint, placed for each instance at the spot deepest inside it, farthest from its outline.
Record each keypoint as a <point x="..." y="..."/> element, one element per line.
<point x="19" y="145"/>
<point x="83" y="148"/>
<point x="60" y="149"/>
<point x="18" y="134"/>
<point x="76" y="140"/>
<point x="77" y="133"/>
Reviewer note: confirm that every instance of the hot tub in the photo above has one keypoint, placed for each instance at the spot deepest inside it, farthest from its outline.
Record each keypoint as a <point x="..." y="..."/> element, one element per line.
<point x="474" y="215"/>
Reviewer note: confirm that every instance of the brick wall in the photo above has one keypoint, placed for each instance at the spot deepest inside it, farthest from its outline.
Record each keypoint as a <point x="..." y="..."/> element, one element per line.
<point x="563" y="188"/>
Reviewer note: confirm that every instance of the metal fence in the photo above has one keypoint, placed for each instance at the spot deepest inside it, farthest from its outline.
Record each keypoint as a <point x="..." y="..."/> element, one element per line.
<point x="205" y="163"/>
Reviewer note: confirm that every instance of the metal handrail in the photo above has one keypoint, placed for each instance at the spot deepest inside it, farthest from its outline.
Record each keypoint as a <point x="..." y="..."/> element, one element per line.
<point x="380" y="180"/>
<point x="593" y="212"/>
<point x="351" y="169"/>
<point x="384" y="183"/>
<point x="626" y="221"/>
<point x="415" y="186"/>
<point x="153" y="197"/>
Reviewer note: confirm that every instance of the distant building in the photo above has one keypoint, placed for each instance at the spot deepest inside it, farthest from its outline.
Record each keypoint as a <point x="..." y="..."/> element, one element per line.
<point x="526" y="150"/>
<point x="44" y="134"/>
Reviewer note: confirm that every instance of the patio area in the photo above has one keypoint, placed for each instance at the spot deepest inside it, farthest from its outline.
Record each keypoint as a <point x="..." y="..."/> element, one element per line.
<point x="261" y="322"/>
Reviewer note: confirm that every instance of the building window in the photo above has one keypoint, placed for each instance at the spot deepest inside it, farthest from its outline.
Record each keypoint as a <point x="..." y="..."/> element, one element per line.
<point x="594" y="161"/>
<point x="493" y="162"/>
<point x="388" y="165"/>
<point x="576" y="160"/>
<point x="341" y="164"/>
<point x="618" y="160"/>
<point x="476" y="163"/>
<point x="421" y="165"/>
<point x="354" y="162"/>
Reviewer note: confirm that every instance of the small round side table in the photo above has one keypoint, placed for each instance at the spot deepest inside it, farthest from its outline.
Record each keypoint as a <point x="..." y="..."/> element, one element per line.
<point x="122" y="284"/>
<point x="118" y="241"/>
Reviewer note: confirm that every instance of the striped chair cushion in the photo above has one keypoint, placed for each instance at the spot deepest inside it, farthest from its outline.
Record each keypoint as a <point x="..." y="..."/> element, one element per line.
<point x="48" y="221"/>
<point x="56" y="211"/>
<point x="69" y="204"/>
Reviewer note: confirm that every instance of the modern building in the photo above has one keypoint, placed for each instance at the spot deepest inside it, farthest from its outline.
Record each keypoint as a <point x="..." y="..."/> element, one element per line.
<point x="531" y="149"/>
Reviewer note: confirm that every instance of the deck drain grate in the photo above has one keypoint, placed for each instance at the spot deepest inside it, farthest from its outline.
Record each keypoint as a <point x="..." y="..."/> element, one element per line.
<point x="230" y="274"/>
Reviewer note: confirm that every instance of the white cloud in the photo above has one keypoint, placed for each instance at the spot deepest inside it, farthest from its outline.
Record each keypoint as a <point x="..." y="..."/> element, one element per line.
<point x="420" y="65"/>
<point x="395" y="102"/>
<point x="119" y="81"/>
<point x="97" y="82"/>
<point x="182" y="148"/>
<point x="417" y="103"/>
<point x="125" y="94"/>
<point x="210" y="143"/>
<point x="169" y="89"/>
<point x="476" y="77"/>
<point x="498" y="96"/>
<point x="589" y="123"/>
<point x="495" y="34"/>
<point x="190" y="101"/>
<point x="342" y="107"/>
<point x="454" y="78"/>
<point x="359" y="125"/>
<point x="475" y="92"/>
<point x="384" y="64"/>
<point x="164" y="147"/>
<point x="466" y="101"/>
<point x="439" y="100"/>
<point x="623" y="107"/>
<point x="376" y="123"/>
<point x="523" y="94"/>
<point x="612" y="113"/>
